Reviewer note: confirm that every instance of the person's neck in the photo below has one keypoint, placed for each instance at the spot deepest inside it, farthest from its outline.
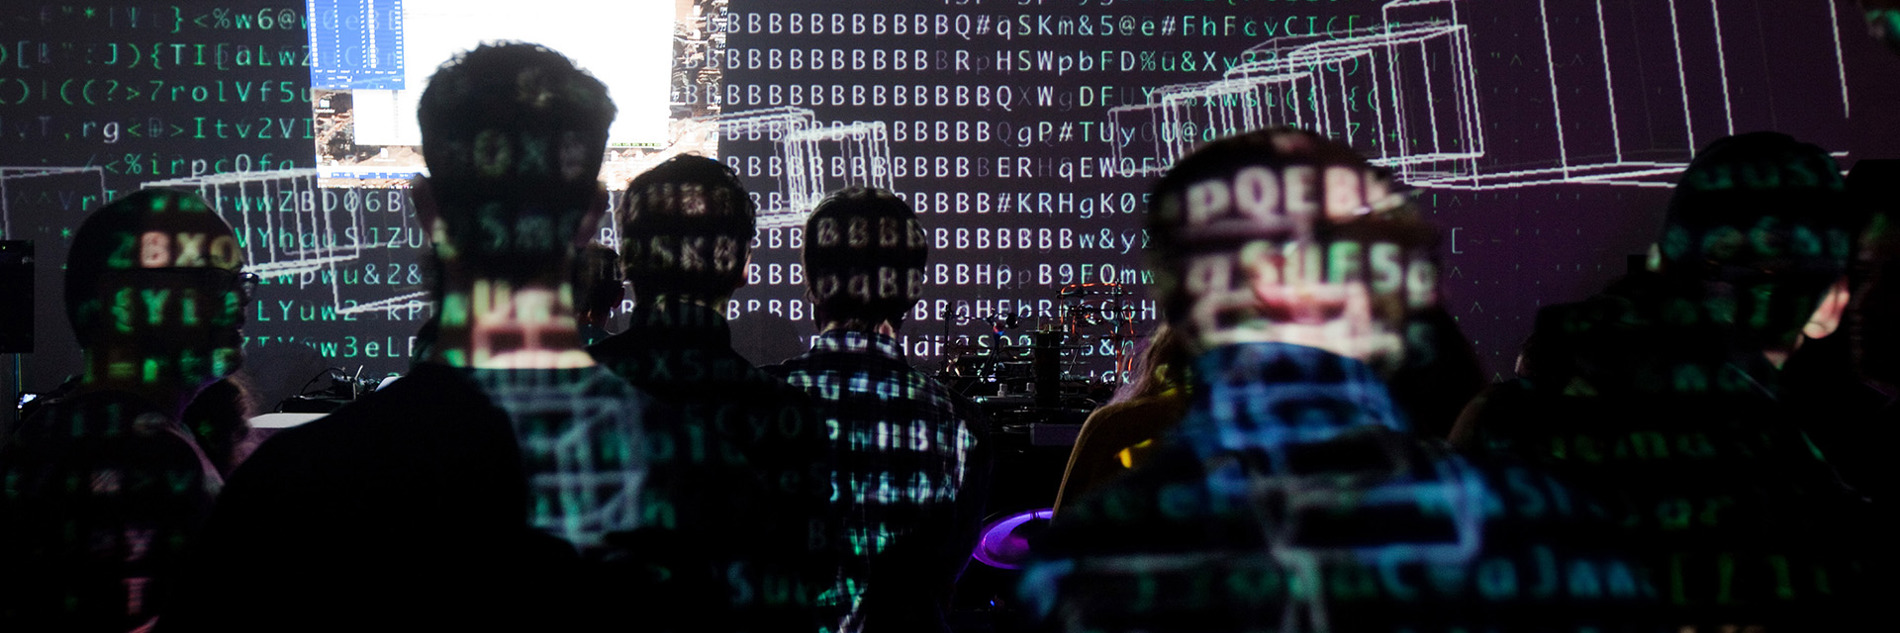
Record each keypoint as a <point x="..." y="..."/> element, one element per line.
<point x="882" y="327"/>
<point x="165" y="390"/>
<point x="498" y="324"/>
<point x="670" y="301"/>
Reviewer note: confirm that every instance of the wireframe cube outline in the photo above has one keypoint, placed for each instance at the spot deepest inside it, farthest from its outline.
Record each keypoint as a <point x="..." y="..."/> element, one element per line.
<point x="8" y="174"/>
<point x="1159" y="152"/>
<point x="864" y="149"/>
<point x="1402" y="94"/>
<point x="1409" y="75"/>
<point x="770" y="124"/>
<point x="800" y="143"/>
<point x="1320" y="85"/>
<point x="253" y="203"/>
<point x="1648" y="145"/>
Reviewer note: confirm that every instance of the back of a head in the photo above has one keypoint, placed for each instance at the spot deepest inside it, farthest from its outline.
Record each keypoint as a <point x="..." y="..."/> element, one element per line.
<point x="686" y="229"/>
<point x="864" y="259"/>
<point x="1756" y="231"/>
<point x="513" y="135"/>
<point x="1282" y="235"/>
<point x="158" y="270"/>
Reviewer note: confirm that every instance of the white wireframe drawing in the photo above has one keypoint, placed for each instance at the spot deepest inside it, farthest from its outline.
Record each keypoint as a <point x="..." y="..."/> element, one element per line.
<point x="817" y="159"/>
<point x="290" y="227"/>
<point x="1406" y="93"/>
<point x="12" y="174"/>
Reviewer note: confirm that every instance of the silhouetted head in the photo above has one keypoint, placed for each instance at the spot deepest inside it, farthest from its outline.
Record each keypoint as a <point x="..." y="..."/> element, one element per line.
<point x="1875" y="311"/>
<point x="1758" y="229"/>
<point x="686" y="230"/>
<point x="1283" y="235"/>
<point x="864" y="259"/>
<point x="155" y="292"/>
<point x="597" y="283"/>
<point x="513" y="135"/>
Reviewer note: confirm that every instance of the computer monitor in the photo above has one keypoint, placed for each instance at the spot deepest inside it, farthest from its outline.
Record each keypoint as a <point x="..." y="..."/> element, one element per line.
<point x="371" y="59"/>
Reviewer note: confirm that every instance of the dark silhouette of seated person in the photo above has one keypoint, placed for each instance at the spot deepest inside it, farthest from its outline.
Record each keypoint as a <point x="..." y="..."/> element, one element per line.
<point x="1663" y="399"/>
<point x="1293" y="496"/>
<point x="1846" y="387"/>
<point x="750" y="464"/>
<point x="219" y="419"/>
<point x="488" y="486"/>
<point x="101" y="487"/>
<point x="912" y="469"/>
<point x="1119" y="435"/>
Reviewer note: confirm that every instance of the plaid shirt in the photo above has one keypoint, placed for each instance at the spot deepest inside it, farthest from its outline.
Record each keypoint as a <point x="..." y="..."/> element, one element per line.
<point x="1293" y="498"/>
<point x="907" y="476"/>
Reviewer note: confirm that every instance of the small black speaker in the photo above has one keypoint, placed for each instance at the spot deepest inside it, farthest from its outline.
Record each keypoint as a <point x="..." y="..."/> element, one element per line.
<point x="16" y="297"/>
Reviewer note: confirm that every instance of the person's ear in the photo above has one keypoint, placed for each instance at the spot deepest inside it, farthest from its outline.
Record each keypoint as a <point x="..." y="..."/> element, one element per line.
<point x="590" y="224"/>
<point x="422" y="197"/>
<point x="743" y="270"/>
<point x="1827" y="315"/>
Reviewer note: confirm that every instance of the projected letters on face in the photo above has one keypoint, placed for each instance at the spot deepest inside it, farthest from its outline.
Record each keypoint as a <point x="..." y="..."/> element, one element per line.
<point x="166" y="303"/>
<point x="886" y="282"/>
<point x="1316" y="283"/>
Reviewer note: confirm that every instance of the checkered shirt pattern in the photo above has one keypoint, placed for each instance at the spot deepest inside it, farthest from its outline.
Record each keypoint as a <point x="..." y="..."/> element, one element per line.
<point x="1293" y="498"/>
<point x="902" y="444"/>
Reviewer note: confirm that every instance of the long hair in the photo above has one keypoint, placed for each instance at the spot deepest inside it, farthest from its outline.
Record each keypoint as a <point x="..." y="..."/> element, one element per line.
<point x="1165" y="366"/>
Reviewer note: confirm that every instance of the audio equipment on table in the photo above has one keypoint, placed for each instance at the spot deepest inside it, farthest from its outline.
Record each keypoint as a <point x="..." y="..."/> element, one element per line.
<point x="343" y="388"/>
<point x="1092" y="320"/>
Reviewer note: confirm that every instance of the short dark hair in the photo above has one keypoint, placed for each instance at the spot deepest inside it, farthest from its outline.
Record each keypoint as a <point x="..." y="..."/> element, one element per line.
<point x="513" y="135"/>
<point x="146" y="230"/>
<point x="864" y="258"/>
<point x="1759" y="226"/>
<point x="686" y="227"/>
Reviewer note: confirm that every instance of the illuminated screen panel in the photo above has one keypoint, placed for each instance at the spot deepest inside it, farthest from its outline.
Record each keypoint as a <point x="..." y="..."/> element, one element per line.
<point x="371" y="59"/>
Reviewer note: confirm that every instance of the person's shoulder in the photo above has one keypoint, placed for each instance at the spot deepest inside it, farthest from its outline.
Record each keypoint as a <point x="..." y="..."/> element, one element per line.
<point x="121" y="455"/>
<point x="779" y="369"/>
<point x="1172" y="404"/>
<point x="601" y="380"/>
<point x="790" y="368"/>
<point x="1174" y="464"/>
<point x="1119" y="425"/>
<point x="616" y="344"/>
<point x="100" y="426"/>
<point x="781" y="390"/>
<point x="429" y="396"/>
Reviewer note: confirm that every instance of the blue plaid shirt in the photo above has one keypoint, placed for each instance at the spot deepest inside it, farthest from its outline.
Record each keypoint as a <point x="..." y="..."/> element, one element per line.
<point x="907" y="468"/>
<point x="1293" y="498"/>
